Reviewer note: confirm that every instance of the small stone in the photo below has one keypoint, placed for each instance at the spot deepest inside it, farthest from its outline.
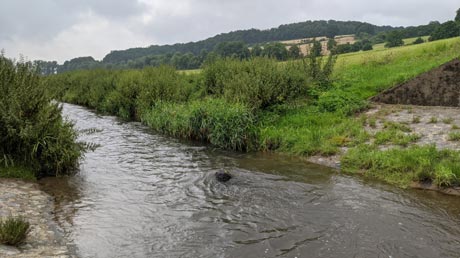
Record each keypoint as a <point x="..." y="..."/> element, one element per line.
<point x="8" y="250"/>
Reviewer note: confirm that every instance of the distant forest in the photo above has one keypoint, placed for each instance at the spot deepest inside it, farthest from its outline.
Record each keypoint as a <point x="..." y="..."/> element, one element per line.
<point x="239" y="44"/>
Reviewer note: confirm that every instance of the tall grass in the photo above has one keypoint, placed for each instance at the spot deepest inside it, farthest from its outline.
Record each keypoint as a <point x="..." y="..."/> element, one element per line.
<point x="402" y="166"/>
<point x="223" y="124"/>
<point x="13" y="231"/>
<point x="33" y="133"/>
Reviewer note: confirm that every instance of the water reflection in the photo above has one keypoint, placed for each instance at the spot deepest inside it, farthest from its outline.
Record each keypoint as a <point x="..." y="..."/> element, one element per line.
<point x="142" y="195"/>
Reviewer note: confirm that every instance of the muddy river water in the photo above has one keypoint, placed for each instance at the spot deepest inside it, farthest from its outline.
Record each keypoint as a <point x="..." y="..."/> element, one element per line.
<point x="139" y="194"/>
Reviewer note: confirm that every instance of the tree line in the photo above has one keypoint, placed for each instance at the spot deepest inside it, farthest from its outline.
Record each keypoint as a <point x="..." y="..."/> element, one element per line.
<point x="244" y="44"/>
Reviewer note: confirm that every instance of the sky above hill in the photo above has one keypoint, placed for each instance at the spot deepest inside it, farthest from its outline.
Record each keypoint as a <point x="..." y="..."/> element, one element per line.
<point x="63" y="29"/>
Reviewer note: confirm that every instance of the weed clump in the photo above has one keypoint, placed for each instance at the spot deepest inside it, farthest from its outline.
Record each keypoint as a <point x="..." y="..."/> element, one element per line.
<point x="433" y="120"/>
<point x="13" y="231"/>
<point x="454" y="136"/>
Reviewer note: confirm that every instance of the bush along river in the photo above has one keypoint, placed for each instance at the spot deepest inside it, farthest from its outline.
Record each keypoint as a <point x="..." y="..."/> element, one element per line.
<point x="143" y="195"/>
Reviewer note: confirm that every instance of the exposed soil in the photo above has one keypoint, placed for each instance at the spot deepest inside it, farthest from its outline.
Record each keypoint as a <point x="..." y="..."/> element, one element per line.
<point x="438" y="87"/>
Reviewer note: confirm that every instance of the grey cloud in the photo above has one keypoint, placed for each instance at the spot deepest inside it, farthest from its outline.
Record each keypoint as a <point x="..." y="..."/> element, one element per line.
<point x="116" y="9"/>
<point x="94" y="27"/>
<point x="44" y="19"/>
<point x="209" y="17"/>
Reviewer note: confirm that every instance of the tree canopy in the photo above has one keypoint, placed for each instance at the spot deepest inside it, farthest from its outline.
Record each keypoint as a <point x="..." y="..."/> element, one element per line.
<point x="448" y="29"/>
<point x="394" y="39"/>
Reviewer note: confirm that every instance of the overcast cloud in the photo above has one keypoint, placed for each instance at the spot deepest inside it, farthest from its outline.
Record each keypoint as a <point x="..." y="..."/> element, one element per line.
<point x="63" y="29"/>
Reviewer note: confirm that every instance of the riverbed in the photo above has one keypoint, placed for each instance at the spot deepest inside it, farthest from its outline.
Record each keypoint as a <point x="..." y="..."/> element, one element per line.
<point x="139" y="194"/>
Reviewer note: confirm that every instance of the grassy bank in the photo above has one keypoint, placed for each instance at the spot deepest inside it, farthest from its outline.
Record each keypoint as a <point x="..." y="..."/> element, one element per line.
<point x="35" y="140"/>
<point x="403" y="166"/>
<point x="302" y="107"/>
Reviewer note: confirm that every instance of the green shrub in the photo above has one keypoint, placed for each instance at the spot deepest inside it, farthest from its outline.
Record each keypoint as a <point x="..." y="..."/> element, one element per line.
<point x="124" y="93"/>
<point x="341" y="101"/>
<point x="13" y="231"/>
<point x="419" y="40"/>
<point x="122" y="100"/>
<point x="32" y="131"/>
<point x="261" y="82"/>
<point x="161" y="84"/>
<point x="258" y="82"/>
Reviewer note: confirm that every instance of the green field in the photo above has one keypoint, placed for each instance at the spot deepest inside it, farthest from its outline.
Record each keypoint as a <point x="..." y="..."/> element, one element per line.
<point x="261" y="105"/>
<point x="408" y="41"/>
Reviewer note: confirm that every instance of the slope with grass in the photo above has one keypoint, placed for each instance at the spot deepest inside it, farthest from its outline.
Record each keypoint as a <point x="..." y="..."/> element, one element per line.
<point x="308" y="129"/>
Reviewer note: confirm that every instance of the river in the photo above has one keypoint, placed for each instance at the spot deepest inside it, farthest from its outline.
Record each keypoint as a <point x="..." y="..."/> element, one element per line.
<point x="139" y="194"/>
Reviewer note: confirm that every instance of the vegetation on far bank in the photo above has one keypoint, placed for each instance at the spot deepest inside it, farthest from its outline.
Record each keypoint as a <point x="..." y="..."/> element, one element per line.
<point x="35" y="140"/>
<point x="301" y="107"/>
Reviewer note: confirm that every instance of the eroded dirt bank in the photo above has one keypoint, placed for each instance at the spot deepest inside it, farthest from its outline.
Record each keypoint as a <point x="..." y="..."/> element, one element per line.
<point x="438" y="87"/>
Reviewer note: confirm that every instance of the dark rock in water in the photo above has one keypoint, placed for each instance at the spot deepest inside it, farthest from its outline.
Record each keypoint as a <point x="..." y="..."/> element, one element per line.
<point x="223" y="176"/>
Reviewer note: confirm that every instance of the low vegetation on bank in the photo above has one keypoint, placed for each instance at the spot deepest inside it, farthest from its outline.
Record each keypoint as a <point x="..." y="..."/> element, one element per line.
<point x="403" y="166"/>
<point x="13" y="230"/>
<point x="35" y="140"/>
<point x="306" y="107"/>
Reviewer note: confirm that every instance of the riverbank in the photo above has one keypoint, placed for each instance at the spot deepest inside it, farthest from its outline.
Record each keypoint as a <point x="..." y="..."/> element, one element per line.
<point x="260" y="105"/>
<point x="20" y="198"/>
<point x="401" y="127"/>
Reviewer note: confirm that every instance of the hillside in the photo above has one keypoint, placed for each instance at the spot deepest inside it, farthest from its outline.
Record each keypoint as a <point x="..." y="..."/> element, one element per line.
<point x="240" y="44"/>
<point x="307" y="29"/>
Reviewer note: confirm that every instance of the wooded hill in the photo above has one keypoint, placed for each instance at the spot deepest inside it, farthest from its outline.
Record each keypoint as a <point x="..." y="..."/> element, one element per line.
<point x="192" y="55"/>
<point x="306" y="29"/>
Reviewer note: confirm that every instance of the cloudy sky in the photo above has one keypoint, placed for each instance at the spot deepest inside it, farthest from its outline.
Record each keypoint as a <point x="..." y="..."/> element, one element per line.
<point x="63" y="29"/>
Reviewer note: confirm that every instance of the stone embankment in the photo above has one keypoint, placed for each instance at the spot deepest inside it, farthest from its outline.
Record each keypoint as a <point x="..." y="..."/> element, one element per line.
<point x="18" y="198"/>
